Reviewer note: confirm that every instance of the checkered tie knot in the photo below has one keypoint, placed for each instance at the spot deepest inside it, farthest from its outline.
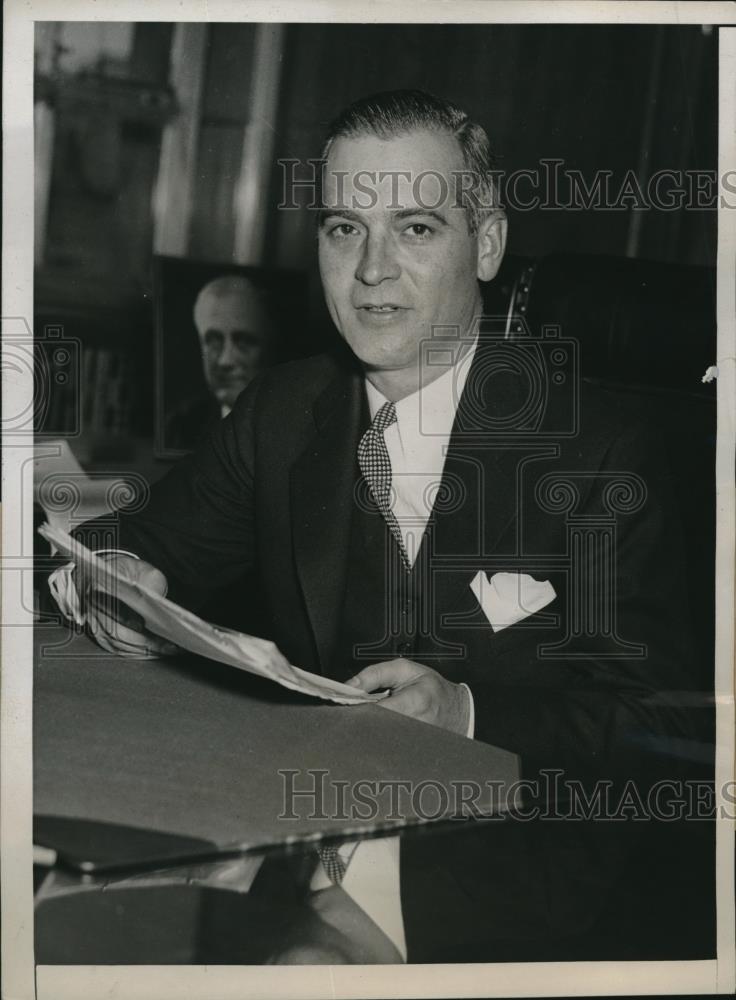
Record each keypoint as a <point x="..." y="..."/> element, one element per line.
<point x="332" y="863"/>
<point x="373" y="457"/>
<point x="375" y="464"/>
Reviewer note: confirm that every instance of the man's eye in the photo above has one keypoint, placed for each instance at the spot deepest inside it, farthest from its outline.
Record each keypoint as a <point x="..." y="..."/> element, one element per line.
<point x="343" y="229"/>
<point x="213" y="340"/>
<point x="244" y="340"/>
<point x="420" y="230"/>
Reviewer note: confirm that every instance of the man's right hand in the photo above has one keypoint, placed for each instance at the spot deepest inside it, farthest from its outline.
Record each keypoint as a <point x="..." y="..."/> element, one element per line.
<point x="115" y="626"/>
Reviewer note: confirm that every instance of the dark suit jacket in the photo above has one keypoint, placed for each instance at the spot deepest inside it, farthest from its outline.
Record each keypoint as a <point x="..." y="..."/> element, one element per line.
<point x="271" y="491"/>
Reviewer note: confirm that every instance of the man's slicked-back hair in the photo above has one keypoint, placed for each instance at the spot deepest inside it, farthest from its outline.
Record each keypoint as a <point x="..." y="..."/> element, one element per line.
<point x="394" y="113"/>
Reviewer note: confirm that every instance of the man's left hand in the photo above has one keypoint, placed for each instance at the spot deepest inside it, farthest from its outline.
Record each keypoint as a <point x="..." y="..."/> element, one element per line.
<point x="418" y="691"/>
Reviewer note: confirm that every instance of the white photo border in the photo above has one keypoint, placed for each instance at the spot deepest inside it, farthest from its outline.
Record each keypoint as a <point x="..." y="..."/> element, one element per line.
<point x="20" y="979"/>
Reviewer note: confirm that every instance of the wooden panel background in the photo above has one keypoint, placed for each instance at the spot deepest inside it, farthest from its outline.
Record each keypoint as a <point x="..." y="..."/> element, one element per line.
<point x="224" y="117"/>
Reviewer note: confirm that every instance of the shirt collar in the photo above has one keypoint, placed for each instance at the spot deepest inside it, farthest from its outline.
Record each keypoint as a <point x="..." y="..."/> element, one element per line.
<point x="430" y="410"/>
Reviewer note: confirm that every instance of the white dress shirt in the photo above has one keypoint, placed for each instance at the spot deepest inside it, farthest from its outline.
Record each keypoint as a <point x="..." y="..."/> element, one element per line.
<point x="417" y="446"/>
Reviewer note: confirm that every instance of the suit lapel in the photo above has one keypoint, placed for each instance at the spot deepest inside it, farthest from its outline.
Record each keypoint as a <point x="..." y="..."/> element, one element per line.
<point x="322" y="484"/>
<point x="472" y="524"/>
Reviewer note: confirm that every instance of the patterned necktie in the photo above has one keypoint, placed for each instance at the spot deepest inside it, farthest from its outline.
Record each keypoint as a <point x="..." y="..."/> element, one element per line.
<point x="375" y="464"/>
<point x="332" y="863"/>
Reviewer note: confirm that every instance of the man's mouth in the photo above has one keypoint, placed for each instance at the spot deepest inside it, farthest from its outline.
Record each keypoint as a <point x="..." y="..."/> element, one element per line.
<point x="380" y="309"/>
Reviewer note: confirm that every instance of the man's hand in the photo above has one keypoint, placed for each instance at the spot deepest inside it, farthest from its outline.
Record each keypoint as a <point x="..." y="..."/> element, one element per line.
<point x="418" y="691"/>
<point x="113" y="625"/>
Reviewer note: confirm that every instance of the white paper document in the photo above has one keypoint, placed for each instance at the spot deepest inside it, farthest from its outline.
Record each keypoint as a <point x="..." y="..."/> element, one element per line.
<point x="190" y="633"/>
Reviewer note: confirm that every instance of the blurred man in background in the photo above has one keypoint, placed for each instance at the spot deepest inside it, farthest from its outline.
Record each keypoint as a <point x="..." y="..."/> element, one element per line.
<point x="236" y="335"/>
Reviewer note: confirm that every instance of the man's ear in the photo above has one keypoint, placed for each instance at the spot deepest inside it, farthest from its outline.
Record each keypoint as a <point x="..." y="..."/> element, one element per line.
<point x="491" y="244"/>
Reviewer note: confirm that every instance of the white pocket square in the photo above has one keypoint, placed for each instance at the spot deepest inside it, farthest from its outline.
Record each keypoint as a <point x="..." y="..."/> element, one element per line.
<point x="507" y="598"/>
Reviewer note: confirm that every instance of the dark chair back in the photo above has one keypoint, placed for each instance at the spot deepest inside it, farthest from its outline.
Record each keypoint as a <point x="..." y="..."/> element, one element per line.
<point x="647" y="330"/>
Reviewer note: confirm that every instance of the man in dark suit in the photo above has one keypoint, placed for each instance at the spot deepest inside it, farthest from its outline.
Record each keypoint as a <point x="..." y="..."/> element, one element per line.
<point x="430" y="513"/>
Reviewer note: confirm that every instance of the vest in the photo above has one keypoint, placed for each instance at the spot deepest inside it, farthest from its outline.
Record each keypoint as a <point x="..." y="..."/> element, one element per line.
<point x="382" y="600"/>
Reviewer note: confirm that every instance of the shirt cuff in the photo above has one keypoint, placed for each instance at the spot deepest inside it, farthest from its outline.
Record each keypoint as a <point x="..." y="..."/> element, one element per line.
<point x="471" y="713"/>
<point x="116" y="552"/>
<point x="64" y="591"/>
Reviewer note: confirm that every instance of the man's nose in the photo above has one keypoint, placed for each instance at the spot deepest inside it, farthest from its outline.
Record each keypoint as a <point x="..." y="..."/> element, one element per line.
<point x="378" y="261"/>
<point x="227" y="358"/>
